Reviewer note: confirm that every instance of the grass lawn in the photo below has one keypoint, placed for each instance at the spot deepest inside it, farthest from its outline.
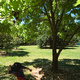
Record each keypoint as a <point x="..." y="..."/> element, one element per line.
<point x="34" y="58"/>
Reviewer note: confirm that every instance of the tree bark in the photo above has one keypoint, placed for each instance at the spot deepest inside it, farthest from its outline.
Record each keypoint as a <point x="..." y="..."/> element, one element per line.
<point x="54" y="52"/>
<point x="55" y="62"/>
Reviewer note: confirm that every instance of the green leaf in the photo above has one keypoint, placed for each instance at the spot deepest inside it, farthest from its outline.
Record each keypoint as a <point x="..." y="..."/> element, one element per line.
<point x="15" y="5"/>
<point x="27" y="1"/>
<point x="7" y="1"/>
<point x="78" y="2"/>
<point x="21" y="1"/>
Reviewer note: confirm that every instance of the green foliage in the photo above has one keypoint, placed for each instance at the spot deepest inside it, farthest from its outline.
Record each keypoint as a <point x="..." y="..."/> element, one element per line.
<point x="5" y="27"/>
<point x="77" y="3"/>
<point x="6" y="42"/>
<point x="44" y="34"/>
<point x="33" y="16"/>
<point x="43" y="40"/>
<point x="26" y="33"/>
<point x="17" y="41"/>
<point x="75" y="40"/>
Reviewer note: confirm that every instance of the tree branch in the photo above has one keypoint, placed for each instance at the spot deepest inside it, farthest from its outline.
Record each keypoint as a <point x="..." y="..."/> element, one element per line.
<point x="43" y="20"/>
<point x="52" y="13"/>
<point x="47" y="15"/>
<point x="60" y="19"/>
<point x="55" y="7"/>
<point x="63" y="45"/>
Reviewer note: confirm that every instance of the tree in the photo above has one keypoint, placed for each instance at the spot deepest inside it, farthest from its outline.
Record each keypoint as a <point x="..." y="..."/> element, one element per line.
<point x="17" y="41"/>
<point x="43" y="40"/>
<point x="28" y="33"/>
<point x="44" y="35"/>
<point x="6" y="42"/>
<point x="59" y="15"/>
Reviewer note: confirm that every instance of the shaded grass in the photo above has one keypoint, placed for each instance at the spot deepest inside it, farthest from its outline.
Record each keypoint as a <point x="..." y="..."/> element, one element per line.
<point x="34" y="57"/>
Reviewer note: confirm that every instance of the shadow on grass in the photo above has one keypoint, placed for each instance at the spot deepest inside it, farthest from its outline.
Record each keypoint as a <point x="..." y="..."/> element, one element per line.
<point x="4" y="75"/>
<point x="71" y="47"/>
<point x="19" y="53"/>
<point x="58" y="47"/>
<point x="38" y="63"/>
<point x="69" y="69"/>
<point x="2" y="72"/>
<point x="16" y="53"/>
<point x="46" y="47"/>
<point x="73" y="64"/>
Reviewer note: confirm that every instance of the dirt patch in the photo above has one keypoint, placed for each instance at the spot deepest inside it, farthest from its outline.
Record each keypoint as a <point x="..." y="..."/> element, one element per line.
<point x="36" y="73"/>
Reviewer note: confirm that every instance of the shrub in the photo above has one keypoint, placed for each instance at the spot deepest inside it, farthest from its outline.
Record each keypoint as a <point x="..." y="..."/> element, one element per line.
<point x="6" y="42"/>
<point x="42" y="40"/>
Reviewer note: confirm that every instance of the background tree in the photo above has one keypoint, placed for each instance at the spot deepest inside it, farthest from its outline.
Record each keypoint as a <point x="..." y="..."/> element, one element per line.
<point x="28" y="33"/>
<point x="5" y="38"/>
<point x="44" y="34"/>
<point x="59" y="14"/>
<point x="17" y="41"/>
<point x="43" y="40"/>
<point x="6" y="42"/>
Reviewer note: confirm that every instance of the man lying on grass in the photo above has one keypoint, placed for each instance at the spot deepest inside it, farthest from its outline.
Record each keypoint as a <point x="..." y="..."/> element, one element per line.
<point x="17" y="70"/>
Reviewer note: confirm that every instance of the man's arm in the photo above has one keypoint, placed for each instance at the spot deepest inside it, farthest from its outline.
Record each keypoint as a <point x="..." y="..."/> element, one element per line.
<point x="29" y="69"/>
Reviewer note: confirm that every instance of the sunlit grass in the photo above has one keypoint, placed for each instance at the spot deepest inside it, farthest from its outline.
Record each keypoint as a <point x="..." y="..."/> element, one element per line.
<point x="71" y="53"/>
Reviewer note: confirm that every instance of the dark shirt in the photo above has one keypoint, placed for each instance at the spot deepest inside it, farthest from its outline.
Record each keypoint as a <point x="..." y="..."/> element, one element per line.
<point x="20" y="75"/>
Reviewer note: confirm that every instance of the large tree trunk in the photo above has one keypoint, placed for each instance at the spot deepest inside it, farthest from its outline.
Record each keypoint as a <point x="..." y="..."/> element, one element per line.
<point x="54" y="62"/>
<point x="54" y="52"/>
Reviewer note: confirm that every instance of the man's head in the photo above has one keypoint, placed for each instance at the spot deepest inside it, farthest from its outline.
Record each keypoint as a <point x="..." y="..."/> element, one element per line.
<point x="17" y="66"/>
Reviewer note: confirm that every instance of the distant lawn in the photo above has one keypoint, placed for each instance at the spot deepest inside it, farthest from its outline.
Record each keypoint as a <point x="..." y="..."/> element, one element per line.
<point x="34" y="57"/>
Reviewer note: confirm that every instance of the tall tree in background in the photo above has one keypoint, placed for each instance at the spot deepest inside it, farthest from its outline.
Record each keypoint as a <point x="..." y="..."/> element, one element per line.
<point x="59" y="14"/>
